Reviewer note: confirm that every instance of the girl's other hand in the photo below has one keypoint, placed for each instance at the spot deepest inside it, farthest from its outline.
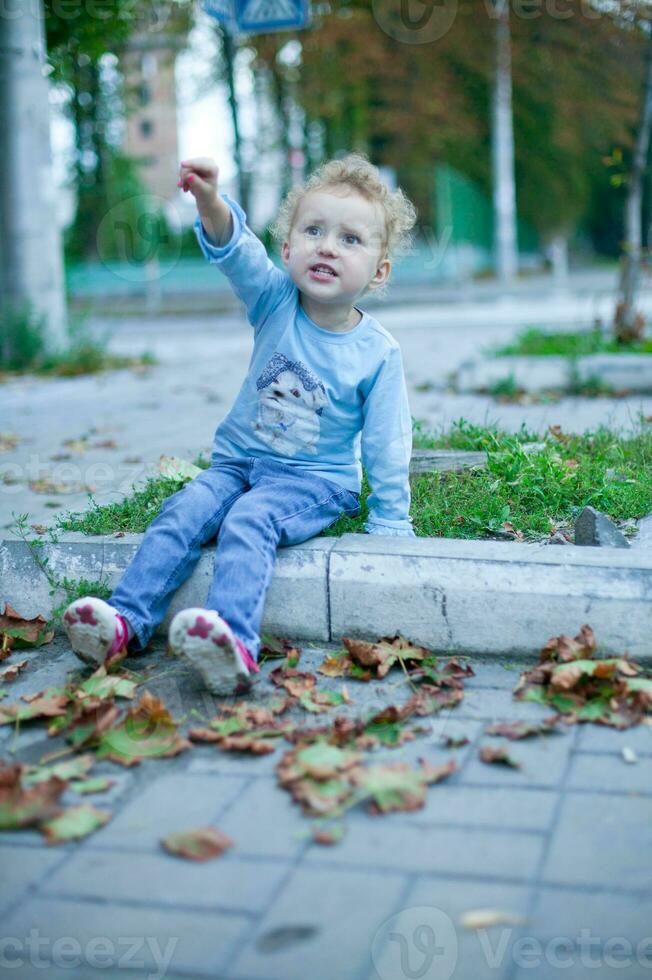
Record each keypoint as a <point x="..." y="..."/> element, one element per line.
<point x="199" y="176"/>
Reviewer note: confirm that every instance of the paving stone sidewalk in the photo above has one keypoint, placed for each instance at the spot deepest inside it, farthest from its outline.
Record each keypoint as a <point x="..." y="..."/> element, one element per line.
<point x="565" y="843"/>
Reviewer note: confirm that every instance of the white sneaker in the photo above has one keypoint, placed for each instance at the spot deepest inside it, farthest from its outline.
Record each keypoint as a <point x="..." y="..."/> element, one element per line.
<point x="203" y="638"/>
<point x="95" y="630"/>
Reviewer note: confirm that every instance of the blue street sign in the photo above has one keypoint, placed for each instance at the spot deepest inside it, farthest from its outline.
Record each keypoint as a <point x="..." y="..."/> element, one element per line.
<point x="258" y="16"/>
<point x="222" y="10"/>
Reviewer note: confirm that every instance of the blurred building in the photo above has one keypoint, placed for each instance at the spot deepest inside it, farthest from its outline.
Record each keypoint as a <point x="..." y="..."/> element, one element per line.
<point x="151" y="132"/>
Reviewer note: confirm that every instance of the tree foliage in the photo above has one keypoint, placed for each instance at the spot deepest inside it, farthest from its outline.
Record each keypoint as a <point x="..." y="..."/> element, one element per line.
<point x="79" y="37"/>
<point x="576" y="74"/>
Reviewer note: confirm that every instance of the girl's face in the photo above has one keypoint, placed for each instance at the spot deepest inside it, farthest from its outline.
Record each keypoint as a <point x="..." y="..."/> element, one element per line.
<point x="334" y="249"/>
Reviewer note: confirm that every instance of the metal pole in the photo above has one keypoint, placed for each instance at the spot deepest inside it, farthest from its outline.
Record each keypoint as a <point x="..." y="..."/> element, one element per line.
<point x="502" y="145"/>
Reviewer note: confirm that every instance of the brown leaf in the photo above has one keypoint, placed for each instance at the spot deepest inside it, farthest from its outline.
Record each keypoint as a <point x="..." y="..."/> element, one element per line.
<point x="247" y="743"/>
<point x="510" y="529"/>
<point x="451" y="742"/>
<point x="85" y="721"/>
<point x="74" y="823"/>
<point x="148" y="731"/>
<point x="26" y="807"/>
<point x="382" y="655"/>
<point x="201" y="844"/>
<point x="294" y="681"/>
<point x="485" y="918"/>
<point x="562" y="649"/>
<point x="17" y="631"/>
<point x="278" y="646"/>
<point x="556" y="432"/>
<point x="335" y="666"/>
<point x="397" y="786"/>
<point x="522" y="729"/>
<point x="496" y="754"/>
<point x="328" y="835"/>
<point x="43" y="705"/>
<point x="11" y="672"/>
<point x="8" y="440"/>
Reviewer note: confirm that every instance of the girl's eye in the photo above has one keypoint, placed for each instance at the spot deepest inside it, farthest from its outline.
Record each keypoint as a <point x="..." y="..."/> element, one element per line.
<point x="312" y="228"/>
<point x="354" y="237"/>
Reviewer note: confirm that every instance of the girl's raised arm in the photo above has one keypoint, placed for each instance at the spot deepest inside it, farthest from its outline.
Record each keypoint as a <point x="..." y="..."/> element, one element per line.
<point x="199" y="176"/>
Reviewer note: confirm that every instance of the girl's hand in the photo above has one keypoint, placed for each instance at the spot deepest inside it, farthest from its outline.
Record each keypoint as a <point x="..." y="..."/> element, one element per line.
<point x="199" y="176"/>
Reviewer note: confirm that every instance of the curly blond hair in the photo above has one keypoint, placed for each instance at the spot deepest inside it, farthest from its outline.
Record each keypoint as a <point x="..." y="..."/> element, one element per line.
<point x="356" y="172"/>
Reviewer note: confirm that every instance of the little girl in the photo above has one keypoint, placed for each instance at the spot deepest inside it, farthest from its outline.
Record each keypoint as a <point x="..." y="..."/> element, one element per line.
<point x="324" y="392"/>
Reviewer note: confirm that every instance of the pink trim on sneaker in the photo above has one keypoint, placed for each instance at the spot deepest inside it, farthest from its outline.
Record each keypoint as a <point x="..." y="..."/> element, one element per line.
<point x="247" y="659"/>
<point x="121" y="636"/>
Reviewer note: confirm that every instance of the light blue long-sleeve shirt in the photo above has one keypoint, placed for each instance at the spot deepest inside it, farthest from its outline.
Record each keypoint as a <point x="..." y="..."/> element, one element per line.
<point x="312" y="398"/>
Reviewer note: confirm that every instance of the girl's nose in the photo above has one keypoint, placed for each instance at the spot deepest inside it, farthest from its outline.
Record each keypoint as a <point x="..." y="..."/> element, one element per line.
<point x="328" y="245"/>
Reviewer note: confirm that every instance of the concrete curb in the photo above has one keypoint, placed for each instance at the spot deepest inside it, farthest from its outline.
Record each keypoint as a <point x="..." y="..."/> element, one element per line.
<point x="621" y="372"/>
<point x="474" y="597"/>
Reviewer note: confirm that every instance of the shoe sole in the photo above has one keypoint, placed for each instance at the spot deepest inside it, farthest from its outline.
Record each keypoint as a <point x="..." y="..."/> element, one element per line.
<point x="202" y="638"/>
<point x="91" y="641"/>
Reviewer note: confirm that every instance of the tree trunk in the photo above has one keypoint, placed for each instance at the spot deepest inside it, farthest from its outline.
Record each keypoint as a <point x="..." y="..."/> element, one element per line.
<point x="283" y="118"/>
<point x="31" y="263"/>
<point x="628" y="324"/>
<point x="228" y="54"/>
<point x="502" y="147"/>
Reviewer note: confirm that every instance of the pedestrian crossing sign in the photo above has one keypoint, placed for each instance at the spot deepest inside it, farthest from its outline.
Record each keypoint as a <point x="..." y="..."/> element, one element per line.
<point x="259" y="16"/>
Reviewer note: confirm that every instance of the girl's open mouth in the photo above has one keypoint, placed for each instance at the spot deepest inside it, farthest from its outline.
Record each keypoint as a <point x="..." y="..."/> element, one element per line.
<point x="322" y="273"/>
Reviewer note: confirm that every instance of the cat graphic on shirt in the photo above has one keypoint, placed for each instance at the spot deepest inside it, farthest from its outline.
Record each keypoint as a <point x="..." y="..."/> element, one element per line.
<point x="291" y="401"/>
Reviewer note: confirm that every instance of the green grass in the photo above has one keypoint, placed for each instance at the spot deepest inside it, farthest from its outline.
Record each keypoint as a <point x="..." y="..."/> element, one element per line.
<point x="24" y="350"/>
<point x="535" y="342"/>
<point x="534" y="490"/>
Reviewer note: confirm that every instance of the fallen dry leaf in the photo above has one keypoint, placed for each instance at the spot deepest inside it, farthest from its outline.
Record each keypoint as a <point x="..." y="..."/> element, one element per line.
<point x="201" y="844"/>
<point x="15" y="631"/>
<point x="22" y="806"/>
<point x="8" y="440"/>
<point x="556" y="432"/>
<point x="485" y="918"/>
<point x="328" y="835"/>
<point x="174" y="468"/>
<point x="11" y="672"/>
<point x="148" y="731"/>
<point x="45" y="485"/>
<point x="71" y="769"/>
<point x="523" y="729"/>
<point x="295" y="682"/>
<point x="496" y="754"/>
<point x="582" y="688"/>
<point x="395" y="786"/>
<point x="74" y="823"/>
<point x="451" y="742"/>
<point x="42" y="705"/>
<point x="335" y="666"/>
<point x="278" y="646"/>
<point x="100" y="784"/>
<point x="378" y="658"/>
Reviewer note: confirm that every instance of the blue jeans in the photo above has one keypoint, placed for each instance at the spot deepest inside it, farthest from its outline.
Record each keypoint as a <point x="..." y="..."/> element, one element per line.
<point x="253" y="505"/>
